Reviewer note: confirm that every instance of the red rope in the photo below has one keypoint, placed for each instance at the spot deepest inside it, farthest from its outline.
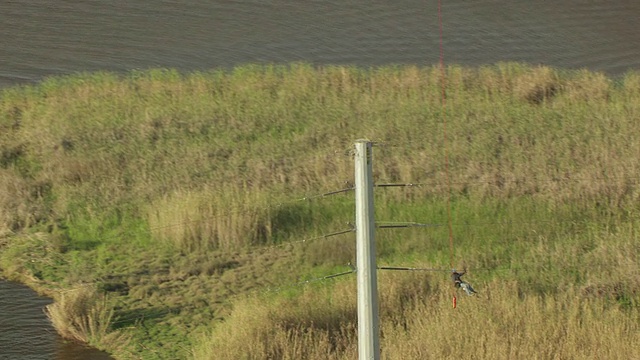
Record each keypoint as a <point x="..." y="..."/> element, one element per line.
<point x="443" y="77"/>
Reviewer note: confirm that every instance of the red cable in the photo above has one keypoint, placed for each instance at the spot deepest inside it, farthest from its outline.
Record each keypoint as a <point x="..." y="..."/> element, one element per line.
<point x="444" y="123"/>
<point x="443" y="76"/>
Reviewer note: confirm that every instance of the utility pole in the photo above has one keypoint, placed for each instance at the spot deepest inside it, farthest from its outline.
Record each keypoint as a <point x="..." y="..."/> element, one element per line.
<point x="368" y="329"/>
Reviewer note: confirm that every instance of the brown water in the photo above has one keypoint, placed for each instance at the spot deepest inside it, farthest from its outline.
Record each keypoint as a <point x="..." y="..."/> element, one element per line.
<point x="25" y="331"/>
<point x="42" y="37"/>
<point x="39" y="38"/>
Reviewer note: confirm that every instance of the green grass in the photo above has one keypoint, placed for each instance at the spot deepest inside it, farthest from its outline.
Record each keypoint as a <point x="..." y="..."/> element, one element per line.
<point x="177" y="195"/>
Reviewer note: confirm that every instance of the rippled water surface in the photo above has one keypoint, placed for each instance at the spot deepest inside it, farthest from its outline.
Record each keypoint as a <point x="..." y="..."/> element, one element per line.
<point x="39" y="38"/>
<point x="25" y="331"/>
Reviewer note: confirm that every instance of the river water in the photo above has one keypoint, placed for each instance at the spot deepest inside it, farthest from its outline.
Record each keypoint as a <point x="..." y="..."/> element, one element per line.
<point x="40" y="38"/>
<point x="25" y="332"/>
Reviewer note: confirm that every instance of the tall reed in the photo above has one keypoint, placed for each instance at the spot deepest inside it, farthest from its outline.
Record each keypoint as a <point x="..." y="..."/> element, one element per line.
<point x="85" y="316"/>
<point x="417" y="321"/>
<point x="109" y="168"/>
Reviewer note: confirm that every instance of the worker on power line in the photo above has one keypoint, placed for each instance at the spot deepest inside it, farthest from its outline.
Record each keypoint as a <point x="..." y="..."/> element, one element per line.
<point x="459" y="283"/>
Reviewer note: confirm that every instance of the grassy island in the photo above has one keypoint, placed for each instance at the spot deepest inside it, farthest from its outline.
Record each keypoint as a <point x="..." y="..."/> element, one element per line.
<point x="174" y="216"/>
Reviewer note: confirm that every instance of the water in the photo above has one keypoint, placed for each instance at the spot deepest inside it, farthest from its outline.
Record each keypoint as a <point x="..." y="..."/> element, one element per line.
<point x="25" y="331"/>
<point x="39" y="38"/>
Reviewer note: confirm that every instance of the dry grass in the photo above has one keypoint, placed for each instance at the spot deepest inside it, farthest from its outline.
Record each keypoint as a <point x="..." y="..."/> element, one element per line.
<point x="165" y="187"/>
<point x="83" y="315"/>
<point x="21" y="202"/>
<point x="503" y="322"/>
<point x="165" y="139"/>
<point x="538" y="86"/>
<point x="9" y="203"/>
<point x="301" y="328"/>
<point x="589" y="311"/>
<point x="211" y="219"/>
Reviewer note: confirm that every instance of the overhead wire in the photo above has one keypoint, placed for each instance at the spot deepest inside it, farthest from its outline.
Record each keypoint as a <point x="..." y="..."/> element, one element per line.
<point x="312" y="280"/>
<point x="392" y="225"/>
<point x="121" y="320"/>
<point x="236" y="212"/>
<point x="507" y="181"/>
<point x="301" y="241"/>
<point x="344" y="190"/>
<point x="159" y="314"/>
<point x="383" y="225"/>
<point x="406" y="268"/>
<point x="140" y="318"/>
<point x="389" y="225"/>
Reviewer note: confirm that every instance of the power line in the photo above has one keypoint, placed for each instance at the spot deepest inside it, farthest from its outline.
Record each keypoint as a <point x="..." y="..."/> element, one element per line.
<point x="122" y="320"/>
<point x="237" y="212"/>
<point x="396" y="185"/>
<point x="404" y="268"/>
<point x="309" y="281"/>
<point x="326" y="194"/>
<point x="256" y="250"/>
<point x="391" y="225"/>
<point x="384" y="225"/>
<point x="380" y="225"/>
<point x="495" y="224"/>
<point x="533" y="181"/>
<point x="350" y="188"/>
<point x="323" y="236"/>
<point x="267" y="207"/>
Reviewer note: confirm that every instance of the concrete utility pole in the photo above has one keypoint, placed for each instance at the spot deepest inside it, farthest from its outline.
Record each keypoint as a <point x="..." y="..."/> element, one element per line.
<point x="368" y="329"/>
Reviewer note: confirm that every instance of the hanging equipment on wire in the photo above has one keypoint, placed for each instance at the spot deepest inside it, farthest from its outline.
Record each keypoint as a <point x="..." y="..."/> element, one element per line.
<point x="460" y="284"/>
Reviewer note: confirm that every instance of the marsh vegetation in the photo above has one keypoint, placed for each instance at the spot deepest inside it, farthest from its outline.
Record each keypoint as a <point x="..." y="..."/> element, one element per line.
<point x="180" y="200"/>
